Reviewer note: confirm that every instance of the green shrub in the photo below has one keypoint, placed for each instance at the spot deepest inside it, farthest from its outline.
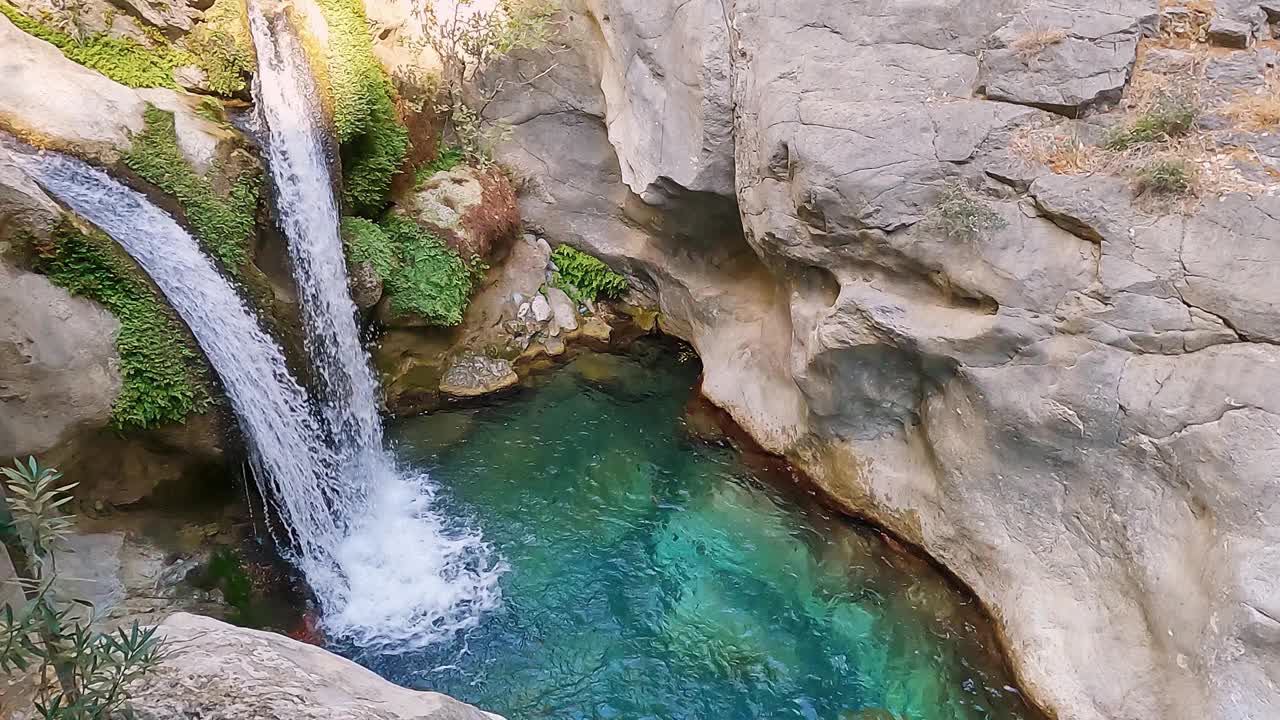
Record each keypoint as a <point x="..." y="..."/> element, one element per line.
<point x="961" y="217"/>
<point x="223" y="226"/>
<point x="162" y="375"/>
<point x="83" y="673"/>
<point x="1167" y="119"/>
<point x="585" y="278"/>
<point x="374" y="142"/>
<point x="421" y="274"/>
<point x="1170" y="176"/>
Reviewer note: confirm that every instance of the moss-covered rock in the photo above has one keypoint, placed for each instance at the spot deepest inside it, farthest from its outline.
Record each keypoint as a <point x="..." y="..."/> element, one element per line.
<point x="374" y="142"/>
<point x="136" y="53"/>
<point x="425" y="282"/>
<point x="223" y="222"/>
<point x="163" y="376"/>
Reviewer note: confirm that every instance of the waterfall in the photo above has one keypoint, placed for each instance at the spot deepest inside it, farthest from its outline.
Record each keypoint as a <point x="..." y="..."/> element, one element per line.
<point x="388" y="571"/>
<point x="288" y="103"/>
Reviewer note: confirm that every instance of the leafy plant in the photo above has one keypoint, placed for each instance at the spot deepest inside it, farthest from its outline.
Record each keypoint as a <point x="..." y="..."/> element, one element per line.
<point x="90" y="669"/>
<point x="162" y="374"/>
<point x="585" y="278"/>
<point x="1168" y="118"/>
<point x="447" y="158"/>
<point x="467" y="38"/>
<point x="960" y="216"/>
<point x="223" y="226"/>
<point x="1168" y="176"/>
<point x="421" y="274"/>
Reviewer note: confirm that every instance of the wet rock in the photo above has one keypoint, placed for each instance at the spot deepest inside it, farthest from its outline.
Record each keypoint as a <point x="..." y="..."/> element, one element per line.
<point x="366" y="286"/>
<point x="541" y="308"/>
<point x="215" y="670"/>
<point x="594" y="328"/>
<point x="563" y="310"/>
<point x="473" y="375"/>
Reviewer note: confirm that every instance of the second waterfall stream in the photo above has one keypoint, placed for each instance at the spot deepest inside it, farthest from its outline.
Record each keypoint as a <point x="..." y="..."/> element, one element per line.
<point x="406" y="575"/>
<point x="388" y="570"/>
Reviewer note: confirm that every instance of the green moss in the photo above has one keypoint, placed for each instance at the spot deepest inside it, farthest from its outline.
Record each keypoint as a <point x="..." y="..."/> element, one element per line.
<point x="162" y="375"/>
<point x="372" y="158"/>
<point x="585" y="278"/>
<point x="124" y="60"/>
<point x="374" y="142"/>
<point x="223" y="225"/>
<point x="420" y="273"/>
<point x="212" y="46"/>
<point x="221" y="46"/>
<point x="447" y="158"/>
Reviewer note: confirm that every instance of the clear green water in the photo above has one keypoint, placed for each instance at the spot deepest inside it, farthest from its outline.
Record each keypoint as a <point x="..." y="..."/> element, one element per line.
<point x="656" y="576"/>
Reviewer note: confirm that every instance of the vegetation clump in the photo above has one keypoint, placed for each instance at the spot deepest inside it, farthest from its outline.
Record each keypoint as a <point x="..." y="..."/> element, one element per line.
<point x="421" y="274"/>
<point x="447" y="158"/>
<point x="1167" y="119"/>
<point x="162" y="375"/>
<point x="584" y="278"/>
<point x="83" y="673"/>
<point x="1166" y="176"/>
<point x="961" y="217"/>
<point x="374" y="143"/>
<point x="223" y="226"/>
<point x="1036" y="40"/>
<point x="466" y="39"/>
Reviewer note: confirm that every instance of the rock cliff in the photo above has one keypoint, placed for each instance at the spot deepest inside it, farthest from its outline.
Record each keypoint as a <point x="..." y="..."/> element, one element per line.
<point x="919" y="249"/>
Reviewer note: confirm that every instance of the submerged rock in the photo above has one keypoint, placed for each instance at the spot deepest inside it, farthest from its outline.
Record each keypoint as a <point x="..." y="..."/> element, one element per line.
<point x="215" y="670"/>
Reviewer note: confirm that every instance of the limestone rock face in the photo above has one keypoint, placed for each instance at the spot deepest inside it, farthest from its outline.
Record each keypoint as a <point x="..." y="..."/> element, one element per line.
<point x="58" y="365"/>
<point x="1073" y="409"/>
<point x="220" y="672"/>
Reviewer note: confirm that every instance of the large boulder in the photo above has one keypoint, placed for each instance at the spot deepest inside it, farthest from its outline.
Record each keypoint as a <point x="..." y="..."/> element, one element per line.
<point x="58" y="365"/>
<point x="216" y="671"/>
<point x="1072" y="409"/>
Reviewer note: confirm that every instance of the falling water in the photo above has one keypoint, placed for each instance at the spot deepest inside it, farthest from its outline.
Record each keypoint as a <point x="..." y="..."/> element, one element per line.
<point x="388" y="570"/>
<point x="287" y="101"/>
<point x="411" y="576"/>
<point x="285" y="437"/>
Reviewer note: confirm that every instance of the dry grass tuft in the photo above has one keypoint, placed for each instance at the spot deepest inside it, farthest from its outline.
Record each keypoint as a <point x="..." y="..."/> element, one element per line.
<point x="1256" y="111"/>
<point x="1033" y="42"/>
<point x="1063" y="154"/>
